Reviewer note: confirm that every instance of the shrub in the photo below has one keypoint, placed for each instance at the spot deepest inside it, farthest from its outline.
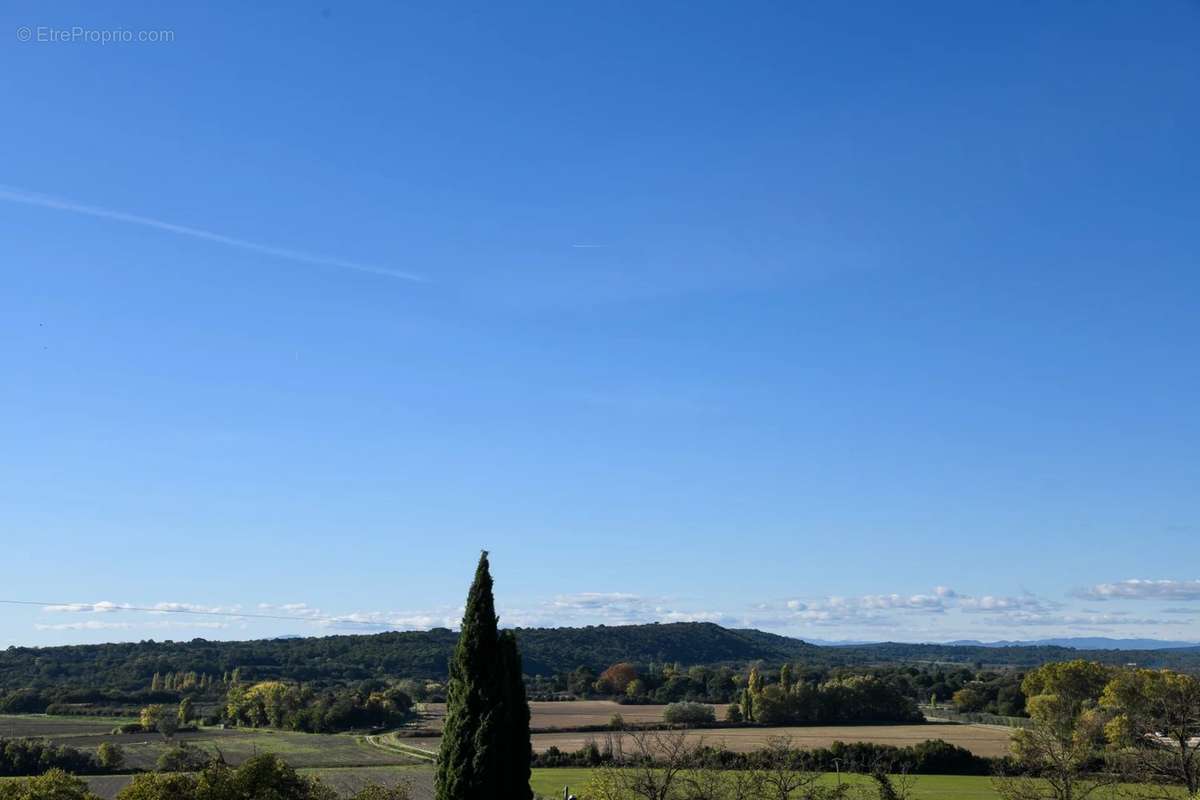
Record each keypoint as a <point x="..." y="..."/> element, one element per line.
<point x="181" y="759"/>
<point x="401" y="791"/>
<point x="688" y="713"/>
<point x="155" y="786"/>
<point x="34" y="756"/>
<point x="110" y="756"/>
<point x="23" y="701"/>
<point x="263" y="777"/>
<point x="52" y="785"/>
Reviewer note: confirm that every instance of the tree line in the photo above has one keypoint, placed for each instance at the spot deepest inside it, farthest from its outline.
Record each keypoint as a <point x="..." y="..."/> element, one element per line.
<point x="856" y="698"/>
<point x="931" y="757"/>
<point x="546" y="652"/>
<point x="275" y="704"/>
<point x="795" y="693"/>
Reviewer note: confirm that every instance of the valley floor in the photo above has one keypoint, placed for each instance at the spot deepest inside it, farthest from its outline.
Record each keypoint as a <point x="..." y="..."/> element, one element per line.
<point x="549" y="783"/>
<point x="350" y="761"/>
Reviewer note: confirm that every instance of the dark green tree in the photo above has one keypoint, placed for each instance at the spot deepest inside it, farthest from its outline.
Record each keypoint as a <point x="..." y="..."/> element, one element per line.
<point x="516" y="748"/>
<point x="485" y="749"/>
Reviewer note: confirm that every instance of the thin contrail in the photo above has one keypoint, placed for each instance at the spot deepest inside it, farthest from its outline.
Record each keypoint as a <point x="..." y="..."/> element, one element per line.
<point x="14" y="195"/>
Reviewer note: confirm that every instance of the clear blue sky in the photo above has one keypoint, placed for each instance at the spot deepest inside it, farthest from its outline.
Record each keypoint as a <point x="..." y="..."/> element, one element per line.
<point x="780" y="315"/>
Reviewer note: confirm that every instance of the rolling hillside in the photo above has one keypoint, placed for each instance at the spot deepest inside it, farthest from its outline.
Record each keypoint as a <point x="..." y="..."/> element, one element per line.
<point x="424" y="654"/>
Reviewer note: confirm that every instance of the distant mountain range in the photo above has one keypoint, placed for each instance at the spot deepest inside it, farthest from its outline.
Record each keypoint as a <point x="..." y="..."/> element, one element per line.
<point x="1072" y="642"/>
<point x="1082" y="643"/>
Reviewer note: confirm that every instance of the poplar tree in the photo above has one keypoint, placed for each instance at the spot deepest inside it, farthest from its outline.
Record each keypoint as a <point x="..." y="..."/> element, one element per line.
<point x="485" y="750"/>
<point x="785" y="677"/>
<point x="750" y="694"/>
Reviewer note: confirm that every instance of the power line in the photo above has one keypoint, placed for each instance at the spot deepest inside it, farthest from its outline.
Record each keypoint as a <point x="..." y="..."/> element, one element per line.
<point x="197" y="612"/>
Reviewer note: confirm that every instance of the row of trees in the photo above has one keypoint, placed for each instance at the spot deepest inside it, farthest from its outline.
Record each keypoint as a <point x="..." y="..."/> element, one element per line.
<point x="995" y="691"/>
<point x="857" y="698"/>
<point x="89" y="702"/>
<point x="184" y="681"/>
<point x="34" y="756"/>
<point x="301" y="708"/>
<point x="285" y="706"/>
<point x="30" y="756"/>
<point x="931" y="757"/>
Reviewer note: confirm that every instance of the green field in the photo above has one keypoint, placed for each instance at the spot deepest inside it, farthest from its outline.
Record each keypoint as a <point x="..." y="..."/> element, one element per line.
<point x="550" y="782"/>
<point x="143" y="749"/>
<point x="347" y="762"/>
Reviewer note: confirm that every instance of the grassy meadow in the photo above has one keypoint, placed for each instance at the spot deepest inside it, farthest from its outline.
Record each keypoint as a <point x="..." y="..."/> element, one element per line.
<point x="347" y="762"/>
<point x="549" y="783"/>
<point x="143" y="749"/>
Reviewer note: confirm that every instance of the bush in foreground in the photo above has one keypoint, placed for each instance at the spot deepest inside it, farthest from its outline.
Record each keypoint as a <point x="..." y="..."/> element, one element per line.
<point x="264" y="777"/>
<point x="53" y="785"/>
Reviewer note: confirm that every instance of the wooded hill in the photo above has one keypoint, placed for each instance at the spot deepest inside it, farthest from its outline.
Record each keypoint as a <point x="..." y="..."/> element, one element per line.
<point x="425" y="654"/>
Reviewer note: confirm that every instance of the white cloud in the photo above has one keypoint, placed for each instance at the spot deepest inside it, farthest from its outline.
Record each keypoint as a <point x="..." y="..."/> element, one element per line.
<point x="97" y="625"/>
<point x="1136" y="589"/>
<point x="176" y="608"/>
<point x="104" y="606"/>
<point x="392" y="620"/>
<point x="599" y="601"/>
<point x="990" y="604"/>
<point x="292" y="609"/>
<point x="693" y="616"/>
<point x="925" y="613"/>
<point x="620" y="608"/>
<point x="922" y="602"/>
<point x="939" y="614"/>
<point x="868" y="609"/>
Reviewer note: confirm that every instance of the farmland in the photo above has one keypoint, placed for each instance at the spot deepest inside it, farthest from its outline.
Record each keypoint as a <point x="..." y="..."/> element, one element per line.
<point x="550" y="782"/>
<point x="557" y="724"/>
<point x="58" y="728"/>
<point x="347" y="762"/>
<point x="983" y="740"/>
<point x="569" y="715"/>
<point x="553" y="723"/>
<point x="143" y="749"/>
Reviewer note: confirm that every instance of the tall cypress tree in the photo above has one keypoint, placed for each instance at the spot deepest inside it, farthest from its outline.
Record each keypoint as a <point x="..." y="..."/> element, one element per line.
<point x="517" y="750"/>
<point x="485" y="749"/>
